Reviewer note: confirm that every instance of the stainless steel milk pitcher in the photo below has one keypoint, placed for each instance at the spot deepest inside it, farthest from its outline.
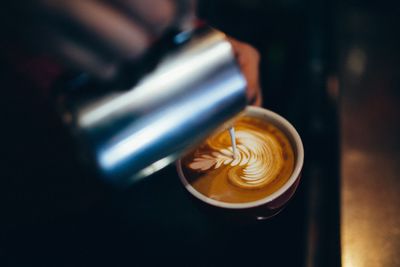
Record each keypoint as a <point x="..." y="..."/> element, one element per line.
<point x="192" y="90"/>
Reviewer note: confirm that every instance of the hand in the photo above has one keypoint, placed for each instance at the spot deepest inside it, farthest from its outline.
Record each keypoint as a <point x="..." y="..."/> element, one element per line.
<point x="249" y="58"/>
<point x="92" y="35"/>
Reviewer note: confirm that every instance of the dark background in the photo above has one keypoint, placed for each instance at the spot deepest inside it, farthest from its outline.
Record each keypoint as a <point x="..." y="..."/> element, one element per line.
<point x="56" y="213"/>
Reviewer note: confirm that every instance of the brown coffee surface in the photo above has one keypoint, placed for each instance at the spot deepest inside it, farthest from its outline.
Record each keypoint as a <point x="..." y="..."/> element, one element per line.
<point x="263" y="164"/>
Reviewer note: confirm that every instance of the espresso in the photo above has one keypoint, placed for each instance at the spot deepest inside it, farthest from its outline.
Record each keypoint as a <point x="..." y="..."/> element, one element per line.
<point x="263" y="162"/>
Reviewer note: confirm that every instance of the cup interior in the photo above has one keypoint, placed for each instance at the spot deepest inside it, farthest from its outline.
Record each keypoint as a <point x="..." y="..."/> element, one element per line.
<point x="297" y="145"/>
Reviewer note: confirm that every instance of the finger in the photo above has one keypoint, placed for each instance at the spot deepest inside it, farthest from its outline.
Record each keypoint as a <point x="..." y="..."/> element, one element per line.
<point x="118" y="32"/>
<point x="248" y="59"/>
<point x="256" y="100"/>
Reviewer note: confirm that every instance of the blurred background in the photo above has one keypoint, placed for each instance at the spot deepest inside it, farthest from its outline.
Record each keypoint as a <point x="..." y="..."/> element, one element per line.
<point x="330" y="67"/>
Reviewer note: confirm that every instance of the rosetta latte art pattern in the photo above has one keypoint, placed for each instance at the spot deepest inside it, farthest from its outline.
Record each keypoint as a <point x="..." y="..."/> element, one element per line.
<point x="258" y="162"/>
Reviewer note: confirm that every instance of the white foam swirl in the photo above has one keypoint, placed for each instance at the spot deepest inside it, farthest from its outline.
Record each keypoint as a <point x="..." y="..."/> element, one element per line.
<point x="258" y="161"/>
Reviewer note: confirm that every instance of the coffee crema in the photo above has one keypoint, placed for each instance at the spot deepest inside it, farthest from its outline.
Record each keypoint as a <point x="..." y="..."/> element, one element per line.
<point x="263" y="163"/>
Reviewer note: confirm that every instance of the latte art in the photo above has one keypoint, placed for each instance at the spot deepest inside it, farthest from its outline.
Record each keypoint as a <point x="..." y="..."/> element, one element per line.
<point x="264" y="161"/>
<point x="258" y="160"/>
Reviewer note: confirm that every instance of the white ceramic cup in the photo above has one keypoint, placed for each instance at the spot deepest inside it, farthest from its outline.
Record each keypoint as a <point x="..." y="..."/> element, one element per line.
<point x="271" y="204"/>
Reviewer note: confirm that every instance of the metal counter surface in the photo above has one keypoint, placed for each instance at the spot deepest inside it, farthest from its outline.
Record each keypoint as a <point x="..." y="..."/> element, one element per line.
<point x="370" y="137"/>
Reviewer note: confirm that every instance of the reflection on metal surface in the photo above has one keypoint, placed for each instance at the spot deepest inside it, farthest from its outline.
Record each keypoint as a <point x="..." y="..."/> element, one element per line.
<point x="171" y="76"/>
<point x="193" y="89"/>
<point x="357" y="241"/>
<point x="371" y="231"/>
<point x="135" y="138"/>
<point x="156" y="166"/>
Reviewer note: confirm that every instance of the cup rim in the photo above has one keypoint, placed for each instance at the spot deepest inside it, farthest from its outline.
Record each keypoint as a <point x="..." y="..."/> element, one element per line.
<point x="292" y="179"/>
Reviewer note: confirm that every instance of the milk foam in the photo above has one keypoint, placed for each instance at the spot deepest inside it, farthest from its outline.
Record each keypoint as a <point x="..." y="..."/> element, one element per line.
<point x="258" y="160"/>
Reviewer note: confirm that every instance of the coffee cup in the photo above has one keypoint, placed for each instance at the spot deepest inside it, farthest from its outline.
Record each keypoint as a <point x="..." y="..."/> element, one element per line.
<point x="256" y="183"/>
